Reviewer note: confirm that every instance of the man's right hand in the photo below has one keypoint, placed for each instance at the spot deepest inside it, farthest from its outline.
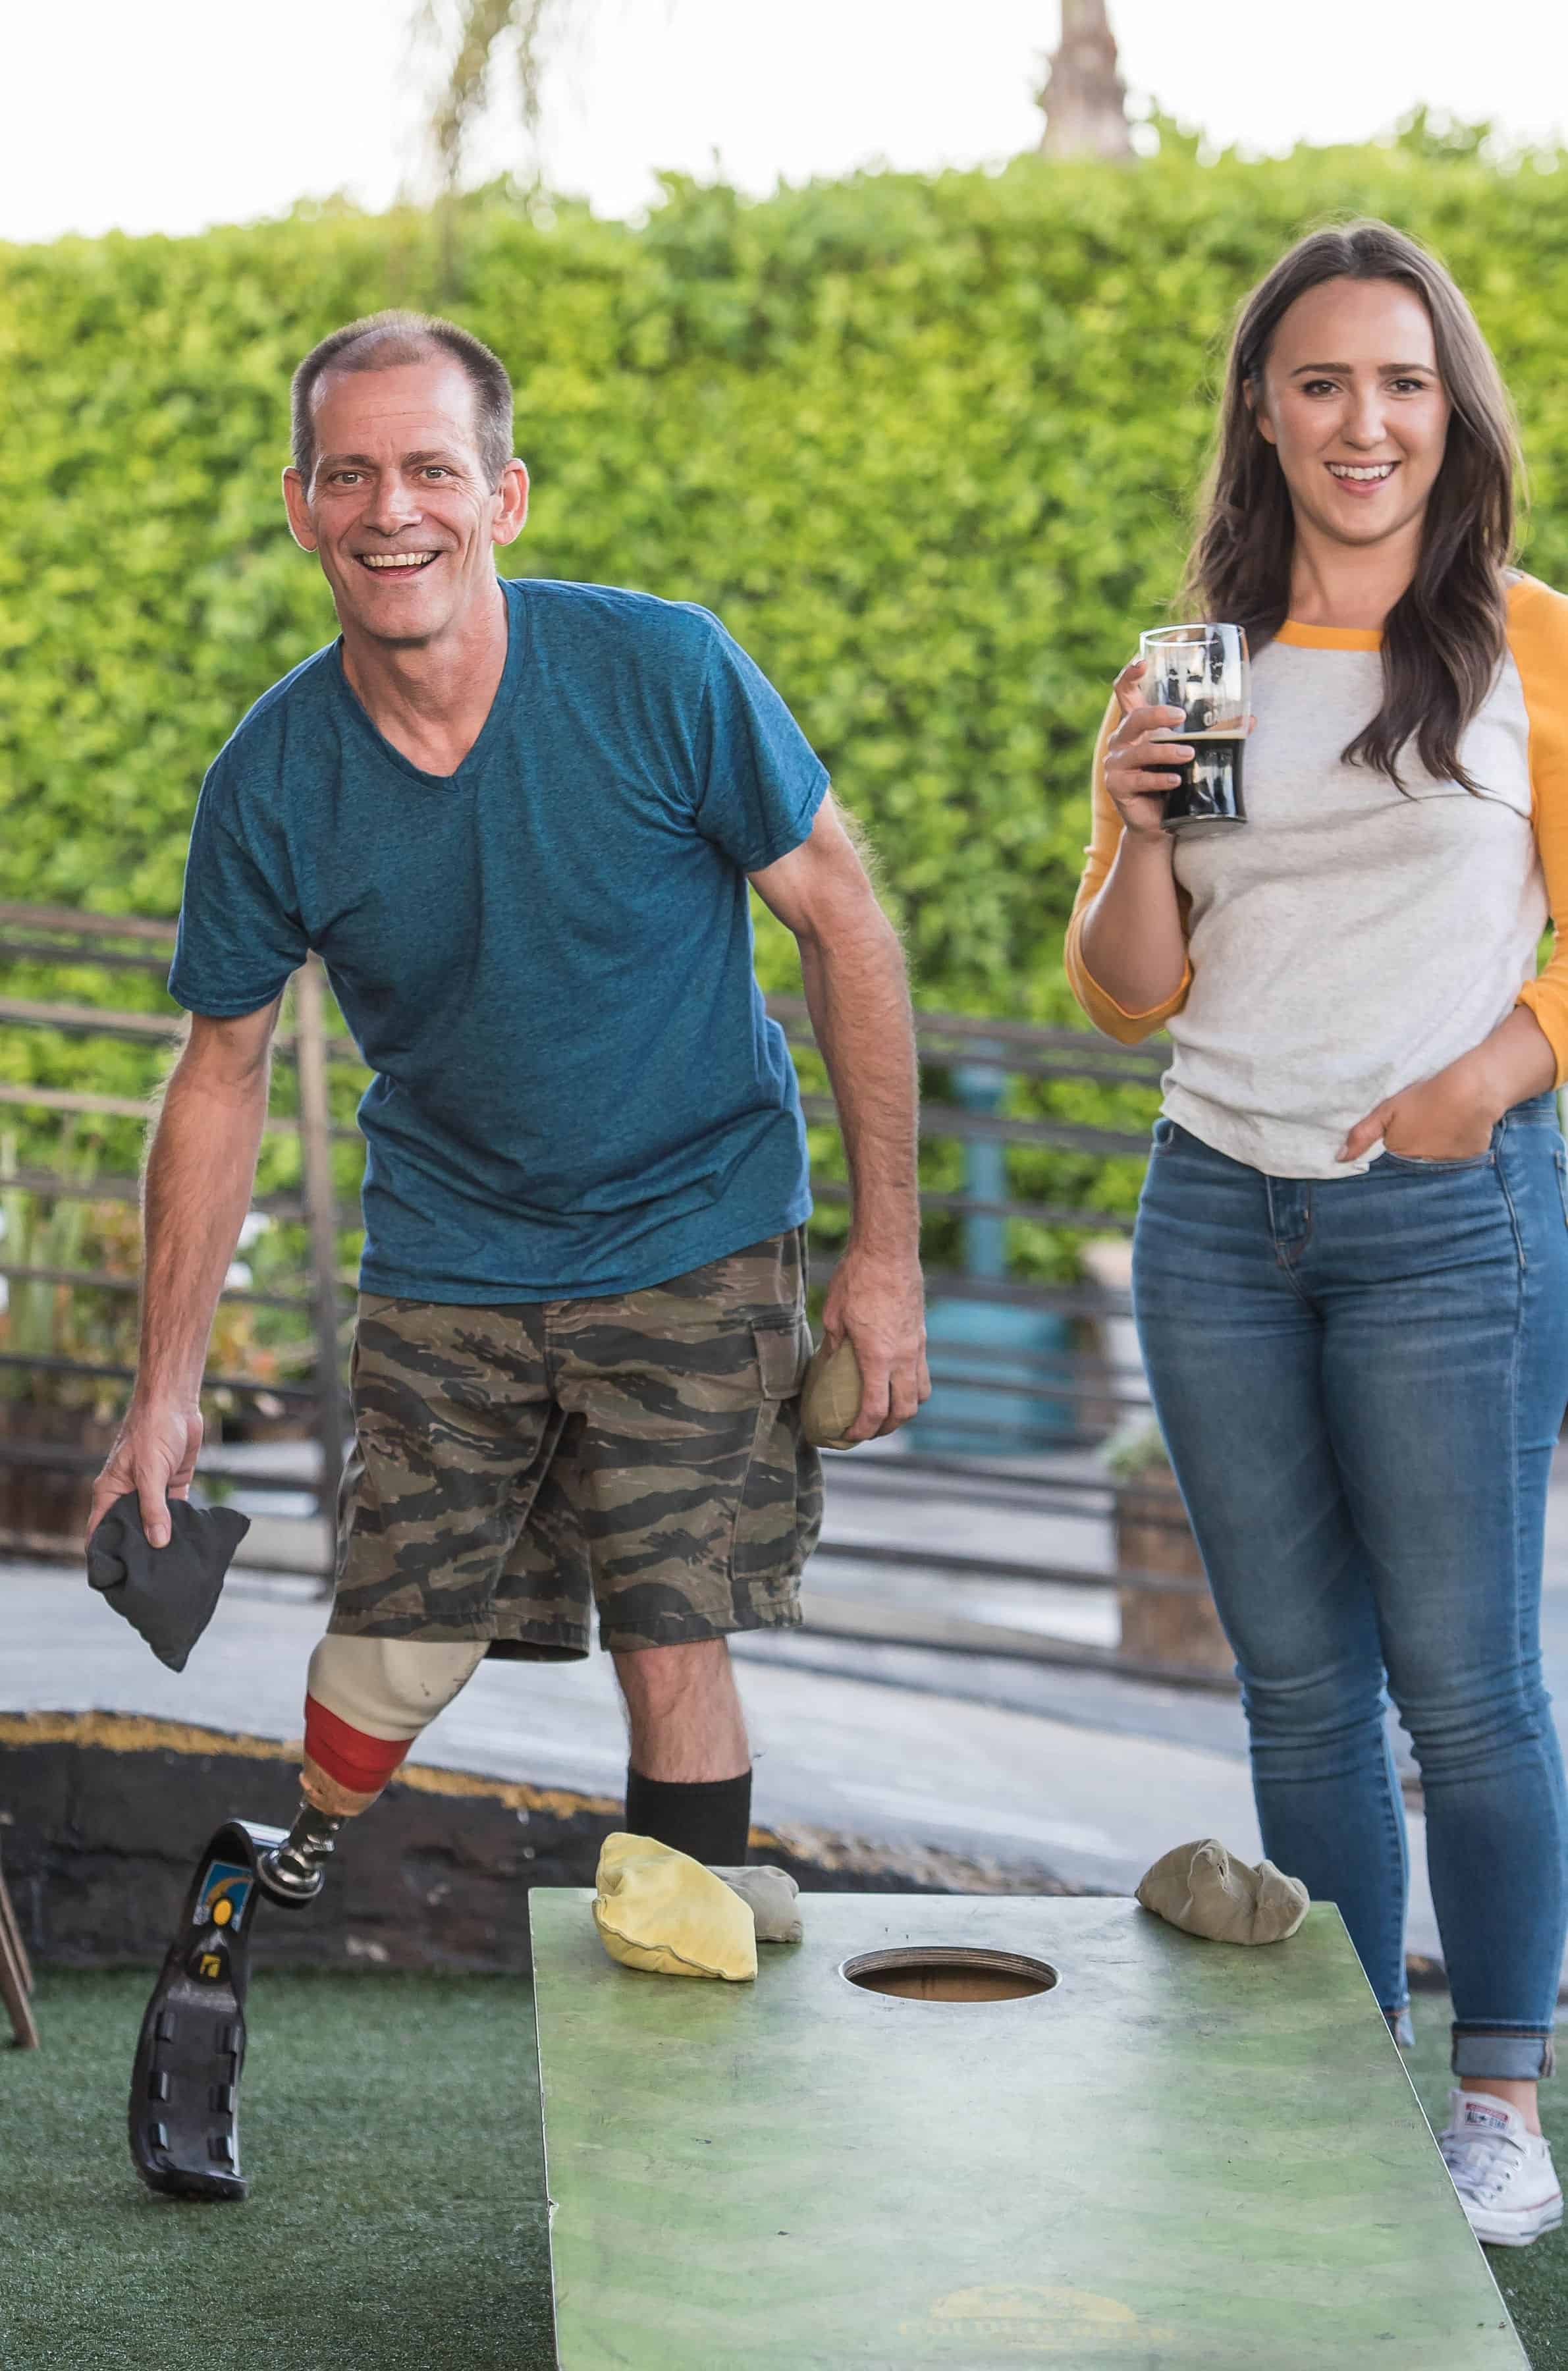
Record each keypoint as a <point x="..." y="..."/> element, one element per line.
<point x="155" y="1456"/>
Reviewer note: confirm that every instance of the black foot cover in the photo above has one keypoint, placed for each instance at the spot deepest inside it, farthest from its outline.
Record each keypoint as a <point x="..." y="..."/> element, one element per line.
<point x="185" y="2088"/>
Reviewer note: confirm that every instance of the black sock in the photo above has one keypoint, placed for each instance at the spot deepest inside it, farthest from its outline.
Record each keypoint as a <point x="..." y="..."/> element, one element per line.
<point x="709" y="1818"/>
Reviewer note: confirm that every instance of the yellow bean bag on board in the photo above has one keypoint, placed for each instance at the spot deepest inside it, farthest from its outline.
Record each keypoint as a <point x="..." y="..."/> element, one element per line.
<point x="662" y="1912"/>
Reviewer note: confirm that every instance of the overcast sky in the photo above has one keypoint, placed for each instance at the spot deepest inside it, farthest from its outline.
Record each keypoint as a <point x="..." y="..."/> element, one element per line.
<point x="170" y="115"/>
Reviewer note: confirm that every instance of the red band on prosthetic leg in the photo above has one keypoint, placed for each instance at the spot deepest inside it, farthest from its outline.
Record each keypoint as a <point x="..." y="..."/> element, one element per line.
<point x="360" y="1765"/>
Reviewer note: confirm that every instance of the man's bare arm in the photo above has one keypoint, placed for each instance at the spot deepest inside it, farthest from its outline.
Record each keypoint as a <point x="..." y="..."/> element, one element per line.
<point x="857" y="992"/>
<point x="196" y="1191"/>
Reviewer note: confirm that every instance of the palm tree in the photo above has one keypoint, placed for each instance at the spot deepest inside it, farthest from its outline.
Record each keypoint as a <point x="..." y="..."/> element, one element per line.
<point x="1084" y="97"/>
<point x="470" y="37"/>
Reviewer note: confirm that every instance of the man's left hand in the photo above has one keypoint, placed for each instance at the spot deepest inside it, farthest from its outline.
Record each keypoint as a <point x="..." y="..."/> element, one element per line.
<point x="1446" y="1118"/>
<point x="877" y="1303"/>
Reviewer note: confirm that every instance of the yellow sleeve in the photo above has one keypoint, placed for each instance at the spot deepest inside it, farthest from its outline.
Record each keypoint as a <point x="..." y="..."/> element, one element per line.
<point x="1537" y="637"/>
<point x="1104" y="838"/>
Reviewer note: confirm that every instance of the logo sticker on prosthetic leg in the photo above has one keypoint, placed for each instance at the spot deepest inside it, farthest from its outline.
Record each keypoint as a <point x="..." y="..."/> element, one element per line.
<point x="223" y="1896"/>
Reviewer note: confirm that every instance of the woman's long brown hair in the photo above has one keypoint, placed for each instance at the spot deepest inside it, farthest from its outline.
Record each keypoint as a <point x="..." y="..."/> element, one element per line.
<point x="1444" y="637"/>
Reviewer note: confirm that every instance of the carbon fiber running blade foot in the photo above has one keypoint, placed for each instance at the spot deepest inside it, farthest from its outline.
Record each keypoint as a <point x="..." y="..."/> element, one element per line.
<point x="185" y="2085"/>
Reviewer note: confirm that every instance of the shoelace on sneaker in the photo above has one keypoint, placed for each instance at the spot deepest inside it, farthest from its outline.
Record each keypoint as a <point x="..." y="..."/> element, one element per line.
<point x="1482" y="2164"/>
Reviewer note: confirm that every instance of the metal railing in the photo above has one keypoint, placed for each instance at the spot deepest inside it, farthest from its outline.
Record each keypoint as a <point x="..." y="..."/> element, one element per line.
<point x="1062" y="1386"/>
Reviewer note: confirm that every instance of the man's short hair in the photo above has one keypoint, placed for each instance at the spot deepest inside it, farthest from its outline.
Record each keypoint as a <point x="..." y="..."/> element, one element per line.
<point x="385" y="341"/>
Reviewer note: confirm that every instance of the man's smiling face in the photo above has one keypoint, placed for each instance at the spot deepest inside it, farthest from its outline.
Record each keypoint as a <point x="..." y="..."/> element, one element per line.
<point x="398" y="508"/>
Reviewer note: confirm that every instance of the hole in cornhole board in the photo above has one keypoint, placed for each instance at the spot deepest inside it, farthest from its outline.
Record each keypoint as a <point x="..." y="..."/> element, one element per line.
<point x="950" y="1972"/>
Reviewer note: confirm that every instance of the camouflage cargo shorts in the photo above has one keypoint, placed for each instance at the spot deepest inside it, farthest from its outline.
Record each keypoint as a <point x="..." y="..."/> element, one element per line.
<point x="513" y="1466"/>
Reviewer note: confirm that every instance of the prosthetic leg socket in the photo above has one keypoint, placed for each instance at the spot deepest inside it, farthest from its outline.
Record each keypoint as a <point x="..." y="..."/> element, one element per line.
<point x="366" y="1701"/>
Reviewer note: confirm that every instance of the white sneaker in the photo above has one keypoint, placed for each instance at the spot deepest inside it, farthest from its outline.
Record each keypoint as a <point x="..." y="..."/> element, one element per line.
<point x="1502" y="2171"/>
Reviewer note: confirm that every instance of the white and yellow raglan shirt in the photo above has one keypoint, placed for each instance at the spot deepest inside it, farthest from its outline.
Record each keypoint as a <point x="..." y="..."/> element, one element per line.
<point x="1349" y="938"/>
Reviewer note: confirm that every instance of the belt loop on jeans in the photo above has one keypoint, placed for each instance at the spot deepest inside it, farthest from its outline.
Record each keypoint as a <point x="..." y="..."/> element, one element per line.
<point x="1533" y="1111"/>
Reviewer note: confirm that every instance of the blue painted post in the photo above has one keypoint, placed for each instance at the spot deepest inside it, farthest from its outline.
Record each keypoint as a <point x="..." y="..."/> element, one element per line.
<point x="978" y="1086"/>
<point x="995" y="1343"/>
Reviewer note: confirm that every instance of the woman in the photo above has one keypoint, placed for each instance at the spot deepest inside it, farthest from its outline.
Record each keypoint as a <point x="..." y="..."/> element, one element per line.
<point x="1351" y="1266"/>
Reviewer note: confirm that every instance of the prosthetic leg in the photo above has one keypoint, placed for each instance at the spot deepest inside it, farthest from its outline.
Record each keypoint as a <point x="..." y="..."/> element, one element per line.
<point x="185" y="2085"/>
<point x="368" y="1699"/>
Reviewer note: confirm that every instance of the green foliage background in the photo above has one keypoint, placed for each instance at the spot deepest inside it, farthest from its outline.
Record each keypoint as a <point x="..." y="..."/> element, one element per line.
<point x="927" y="447"/>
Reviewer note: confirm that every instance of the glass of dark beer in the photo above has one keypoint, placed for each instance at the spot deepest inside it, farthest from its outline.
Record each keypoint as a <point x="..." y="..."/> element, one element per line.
<point x="1202" y="670"/>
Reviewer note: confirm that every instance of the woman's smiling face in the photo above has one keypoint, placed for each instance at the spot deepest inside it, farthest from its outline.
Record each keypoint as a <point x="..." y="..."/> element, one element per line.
<point x="1354" y="407"/>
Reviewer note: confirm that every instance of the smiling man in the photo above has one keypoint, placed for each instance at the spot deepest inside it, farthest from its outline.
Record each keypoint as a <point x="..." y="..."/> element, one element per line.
<point x="518" y="819"/>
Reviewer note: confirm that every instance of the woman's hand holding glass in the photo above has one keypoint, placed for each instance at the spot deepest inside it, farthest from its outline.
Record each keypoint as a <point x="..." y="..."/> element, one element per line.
<point x="1137" y="767"/>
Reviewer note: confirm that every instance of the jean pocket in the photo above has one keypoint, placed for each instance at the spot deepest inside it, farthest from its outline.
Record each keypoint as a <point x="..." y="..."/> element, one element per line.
<point x="1560" y="1163"/>
<point x="1419" y="1162"/>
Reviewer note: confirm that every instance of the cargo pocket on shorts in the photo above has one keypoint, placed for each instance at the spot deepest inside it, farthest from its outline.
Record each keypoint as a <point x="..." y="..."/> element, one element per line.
<point x="780" y="1515"/>
<point x="782" y="1353"/>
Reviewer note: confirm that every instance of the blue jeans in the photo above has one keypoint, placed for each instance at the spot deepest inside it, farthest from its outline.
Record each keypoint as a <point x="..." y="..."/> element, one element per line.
<point x="1361" y="1383"/>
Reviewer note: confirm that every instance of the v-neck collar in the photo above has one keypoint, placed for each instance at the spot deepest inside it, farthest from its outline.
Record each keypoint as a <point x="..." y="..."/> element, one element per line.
<point x="517" y="624"/>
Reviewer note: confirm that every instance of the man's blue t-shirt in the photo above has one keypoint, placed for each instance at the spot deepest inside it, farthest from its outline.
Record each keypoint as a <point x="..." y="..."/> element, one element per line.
<point x="546" y="957"/>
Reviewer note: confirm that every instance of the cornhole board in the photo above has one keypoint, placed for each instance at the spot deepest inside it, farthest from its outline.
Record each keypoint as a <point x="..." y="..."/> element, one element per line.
<point x="1183" y="2153"/>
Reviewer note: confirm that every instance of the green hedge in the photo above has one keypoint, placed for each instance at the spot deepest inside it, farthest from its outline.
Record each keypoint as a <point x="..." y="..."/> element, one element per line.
<point x="926" y="445"/>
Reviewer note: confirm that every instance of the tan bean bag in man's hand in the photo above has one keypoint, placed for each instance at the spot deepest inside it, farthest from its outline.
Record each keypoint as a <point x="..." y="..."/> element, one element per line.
<point x="1206" y="1890"/>
<point x="662" y="1912"/>
<point x="830" y="1396"/>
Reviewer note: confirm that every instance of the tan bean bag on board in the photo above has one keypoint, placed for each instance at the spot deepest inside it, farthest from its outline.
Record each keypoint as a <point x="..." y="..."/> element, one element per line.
<point x="773" y="1898"/>
<point x="1206" y="1891"/>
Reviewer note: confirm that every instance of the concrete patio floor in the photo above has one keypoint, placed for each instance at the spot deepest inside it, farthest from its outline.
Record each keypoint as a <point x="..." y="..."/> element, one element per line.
<point x="1082" y="1775"/>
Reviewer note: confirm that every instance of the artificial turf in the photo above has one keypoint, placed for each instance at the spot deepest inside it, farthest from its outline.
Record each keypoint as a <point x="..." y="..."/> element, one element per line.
<point x="390" y="2127"/>
<point x="390" y="2124"/>
<point x="1534" y="2281"/>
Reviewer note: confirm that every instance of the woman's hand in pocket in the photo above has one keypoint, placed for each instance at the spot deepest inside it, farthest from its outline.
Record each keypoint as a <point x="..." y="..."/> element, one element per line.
<point x="1445" y="1117"/>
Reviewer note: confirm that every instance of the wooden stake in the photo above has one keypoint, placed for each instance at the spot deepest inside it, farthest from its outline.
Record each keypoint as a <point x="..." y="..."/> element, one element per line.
<point x="16" y="1976"/>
